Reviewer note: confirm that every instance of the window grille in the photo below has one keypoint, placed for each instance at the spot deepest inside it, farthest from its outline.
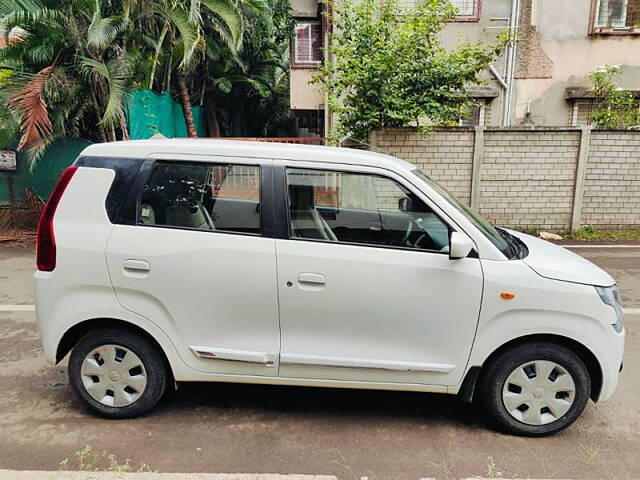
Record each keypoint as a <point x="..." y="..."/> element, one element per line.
<point x="466" y="8"/>
<point x="476" y="117"/>
<point x="307" y="42"/>
<point x="581" y="112"/>
<point x="620" y="14"/>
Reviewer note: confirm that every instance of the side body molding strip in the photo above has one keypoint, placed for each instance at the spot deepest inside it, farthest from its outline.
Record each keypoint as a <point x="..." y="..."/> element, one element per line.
<point x="213" y="353"/>
<point x="346" y="362"/>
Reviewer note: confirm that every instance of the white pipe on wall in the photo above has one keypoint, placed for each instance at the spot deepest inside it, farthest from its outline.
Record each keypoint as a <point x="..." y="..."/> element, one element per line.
<point x="327" y="30"/>
<point x="511" y="60"/>
<point x="498" y="77"/>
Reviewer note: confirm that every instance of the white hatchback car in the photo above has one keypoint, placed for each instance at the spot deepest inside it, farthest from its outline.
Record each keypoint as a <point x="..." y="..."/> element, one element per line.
<point x="163" y="261"/>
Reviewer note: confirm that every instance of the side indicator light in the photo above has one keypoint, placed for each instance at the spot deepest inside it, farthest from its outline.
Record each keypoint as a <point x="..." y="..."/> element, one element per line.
<point x="507" y="296"/>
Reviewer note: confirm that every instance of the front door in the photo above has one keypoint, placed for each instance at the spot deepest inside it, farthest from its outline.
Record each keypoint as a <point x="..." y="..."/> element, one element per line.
<point x="198" y="264"/>
<point x="367" y="290"/>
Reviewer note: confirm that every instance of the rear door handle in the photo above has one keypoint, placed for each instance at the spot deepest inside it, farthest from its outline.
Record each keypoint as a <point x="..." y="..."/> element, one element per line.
<point x="137" y="265"/>
<point x="312" y="278"/>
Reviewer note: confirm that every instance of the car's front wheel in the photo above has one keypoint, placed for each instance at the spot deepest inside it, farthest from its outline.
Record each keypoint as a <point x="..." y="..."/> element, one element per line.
<point x="117" y="373"/>
<point x="535" y="389"/>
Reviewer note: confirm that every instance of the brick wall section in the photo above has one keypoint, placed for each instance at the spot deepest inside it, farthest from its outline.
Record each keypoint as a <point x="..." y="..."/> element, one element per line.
<point x="527" y="177"/>
<point x="612" y="180"/>
<point x="446" y="155"/>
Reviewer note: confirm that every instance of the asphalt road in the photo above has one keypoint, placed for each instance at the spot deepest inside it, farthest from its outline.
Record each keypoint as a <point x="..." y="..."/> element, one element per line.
<point x="262" y="429"/>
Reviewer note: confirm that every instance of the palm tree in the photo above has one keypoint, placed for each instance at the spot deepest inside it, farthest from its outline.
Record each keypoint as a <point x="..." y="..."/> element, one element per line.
<point x="82" y="56"/>
<point x="67" y="69"/>
<point x="68" y="65"/>
<point x="186" y="27"/>
<point x="254" y="83"/>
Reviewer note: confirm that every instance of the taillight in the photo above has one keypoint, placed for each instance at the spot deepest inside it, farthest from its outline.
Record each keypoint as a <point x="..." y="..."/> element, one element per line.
<point x="45" y="238"/>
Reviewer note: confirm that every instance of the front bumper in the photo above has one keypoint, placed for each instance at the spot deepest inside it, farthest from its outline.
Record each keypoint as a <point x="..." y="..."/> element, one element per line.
<point x="611" y="365"/>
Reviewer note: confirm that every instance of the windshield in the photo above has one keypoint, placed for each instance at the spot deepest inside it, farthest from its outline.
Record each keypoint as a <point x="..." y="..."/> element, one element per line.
<point x="499" y="238"/>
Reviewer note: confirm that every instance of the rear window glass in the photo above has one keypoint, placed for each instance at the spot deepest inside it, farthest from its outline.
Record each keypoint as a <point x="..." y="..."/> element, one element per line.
<point x="223" y="197"/>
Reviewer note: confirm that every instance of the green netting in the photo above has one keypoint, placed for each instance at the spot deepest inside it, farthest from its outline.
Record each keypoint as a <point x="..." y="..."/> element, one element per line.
<point x="58" y="156"/>
<point x="149" y="113"/>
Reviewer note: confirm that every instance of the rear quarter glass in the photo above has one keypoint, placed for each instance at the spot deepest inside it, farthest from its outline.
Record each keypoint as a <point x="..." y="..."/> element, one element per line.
<point x="121" y="199"/>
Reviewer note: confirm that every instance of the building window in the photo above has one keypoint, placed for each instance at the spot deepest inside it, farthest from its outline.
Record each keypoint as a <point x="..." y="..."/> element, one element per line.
<point x="307" y="43"/>
<point x="468" y="10"/>
<point x="476" y="117"/>
<point x="616" y="16"/>
<point x="581" y="112"/>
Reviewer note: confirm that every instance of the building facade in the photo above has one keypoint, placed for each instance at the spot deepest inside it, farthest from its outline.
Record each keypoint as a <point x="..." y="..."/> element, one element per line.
<point x="542" y="79"/>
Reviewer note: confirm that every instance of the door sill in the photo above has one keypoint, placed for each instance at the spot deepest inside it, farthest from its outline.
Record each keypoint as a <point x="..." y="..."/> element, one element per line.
<point x="196" y="376"/>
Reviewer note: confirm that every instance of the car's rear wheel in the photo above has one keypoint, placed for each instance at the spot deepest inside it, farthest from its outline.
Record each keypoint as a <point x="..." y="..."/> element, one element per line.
<point x="535" y="389"/>
<point x="117" y="373"/>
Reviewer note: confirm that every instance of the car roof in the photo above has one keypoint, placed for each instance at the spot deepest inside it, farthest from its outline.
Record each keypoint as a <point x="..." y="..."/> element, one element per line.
<point x="241" y="148"/>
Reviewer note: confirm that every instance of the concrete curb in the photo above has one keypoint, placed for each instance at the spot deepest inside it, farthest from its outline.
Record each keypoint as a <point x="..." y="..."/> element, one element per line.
<point x="74" y="475"/>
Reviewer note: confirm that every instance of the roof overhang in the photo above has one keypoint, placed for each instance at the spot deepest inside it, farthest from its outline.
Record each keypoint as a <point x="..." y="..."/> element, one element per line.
<point x="482" y="91"/>
<point x="577" y="93"/>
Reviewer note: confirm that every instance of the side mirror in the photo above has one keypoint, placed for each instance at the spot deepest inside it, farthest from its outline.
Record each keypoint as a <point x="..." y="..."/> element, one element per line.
<point x="460" y="246"/>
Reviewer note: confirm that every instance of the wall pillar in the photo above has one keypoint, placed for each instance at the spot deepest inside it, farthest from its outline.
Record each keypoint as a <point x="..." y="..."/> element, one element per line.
<point x="581" y="169"/>
<point x="476" y="167"/>
<point x="373" y="139"/>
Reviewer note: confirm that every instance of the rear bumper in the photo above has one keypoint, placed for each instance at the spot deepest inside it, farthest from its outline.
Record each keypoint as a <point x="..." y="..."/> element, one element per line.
<point x="48" y="338"/>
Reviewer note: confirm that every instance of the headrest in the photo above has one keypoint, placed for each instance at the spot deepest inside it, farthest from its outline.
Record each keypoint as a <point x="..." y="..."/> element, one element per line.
<point x="302" y="197"/>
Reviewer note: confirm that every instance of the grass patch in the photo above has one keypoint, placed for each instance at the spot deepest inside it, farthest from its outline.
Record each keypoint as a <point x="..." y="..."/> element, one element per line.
<point x="590" y="234"/>
<point x="87" y="459"/>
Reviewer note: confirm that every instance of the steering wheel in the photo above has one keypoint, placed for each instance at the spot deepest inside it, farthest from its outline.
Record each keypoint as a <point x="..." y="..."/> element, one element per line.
<point x="409" y="231"/>
<point x="429" y="240"/>
<point x="422" y="237"/>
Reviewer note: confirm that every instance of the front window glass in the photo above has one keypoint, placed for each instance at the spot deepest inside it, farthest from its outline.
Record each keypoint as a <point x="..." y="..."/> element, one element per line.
<point x="224" y="197"/>
<point x="500" y="240"/>
<point x="363" y="209"/>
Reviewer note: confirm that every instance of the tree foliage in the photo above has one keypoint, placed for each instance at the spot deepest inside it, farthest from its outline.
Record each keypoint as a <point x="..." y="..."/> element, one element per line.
<point x="66" y="66"/>
<point x="615" y="106"/>
<point x="249" y="92"/>
<point x="388" y="68"/>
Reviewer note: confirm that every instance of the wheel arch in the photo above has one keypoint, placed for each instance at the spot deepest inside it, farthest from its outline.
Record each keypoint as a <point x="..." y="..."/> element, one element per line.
<point x="475" y="374"/>
<point x="73" y="334"/>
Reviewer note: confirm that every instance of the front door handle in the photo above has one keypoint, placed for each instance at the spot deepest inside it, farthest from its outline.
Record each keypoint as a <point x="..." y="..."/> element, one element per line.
<point x="137" y="265"/>
<point x="312" y="278"/>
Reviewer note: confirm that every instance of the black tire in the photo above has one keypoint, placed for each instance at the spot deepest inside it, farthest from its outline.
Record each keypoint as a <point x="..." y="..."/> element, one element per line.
<point x="152" y="360"/>
<point x="493" y="379"/>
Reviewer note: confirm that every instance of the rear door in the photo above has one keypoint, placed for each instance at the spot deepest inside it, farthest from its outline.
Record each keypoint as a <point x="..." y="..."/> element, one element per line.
<point x="199" y="265"/>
